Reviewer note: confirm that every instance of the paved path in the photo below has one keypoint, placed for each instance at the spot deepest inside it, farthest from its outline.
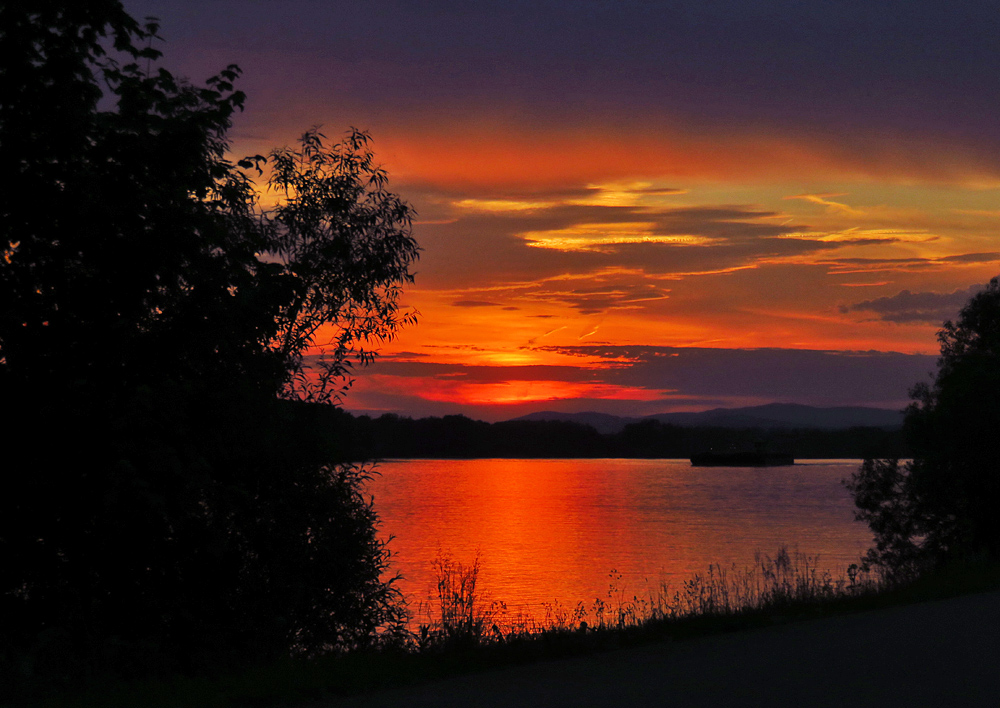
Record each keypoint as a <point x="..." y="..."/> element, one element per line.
<point x="938" y="654"/>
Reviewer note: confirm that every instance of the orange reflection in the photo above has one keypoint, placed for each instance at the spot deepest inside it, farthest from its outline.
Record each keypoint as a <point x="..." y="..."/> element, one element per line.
<point x="567" y="530"/>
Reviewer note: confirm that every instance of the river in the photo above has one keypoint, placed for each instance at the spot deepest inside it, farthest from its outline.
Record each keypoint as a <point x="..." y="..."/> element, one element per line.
<point x="570" y="531"/>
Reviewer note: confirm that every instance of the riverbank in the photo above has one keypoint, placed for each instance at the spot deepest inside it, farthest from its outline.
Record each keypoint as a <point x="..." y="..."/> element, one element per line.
<point x="927" y="654"/>
<point x="867" y="644"/>
<point x="812" y="434"/>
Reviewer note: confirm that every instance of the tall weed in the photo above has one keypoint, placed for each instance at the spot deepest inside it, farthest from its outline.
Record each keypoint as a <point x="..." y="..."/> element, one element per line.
<point x="464" y="614"/>
<point x="774" y="582"/>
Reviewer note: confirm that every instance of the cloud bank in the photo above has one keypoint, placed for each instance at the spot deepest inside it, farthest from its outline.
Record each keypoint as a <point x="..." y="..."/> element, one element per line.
<point x="925" y="307"/>
<point x="641" y="379"/>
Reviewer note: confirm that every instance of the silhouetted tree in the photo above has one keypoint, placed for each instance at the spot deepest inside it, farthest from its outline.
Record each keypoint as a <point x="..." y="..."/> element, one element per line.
<point x="162" y="506"/>
<point x="345" y="243"/>
<point x="945" y="504"/>
<point x="457" y="436"/>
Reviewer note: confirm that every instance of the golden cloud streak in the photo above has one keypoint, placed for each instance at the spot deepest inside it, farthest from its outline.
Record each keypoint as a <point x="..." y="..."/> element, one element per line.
<point x="825" y="200"/>
<point x="499" y="206"/>
<point x="598" y="237"/>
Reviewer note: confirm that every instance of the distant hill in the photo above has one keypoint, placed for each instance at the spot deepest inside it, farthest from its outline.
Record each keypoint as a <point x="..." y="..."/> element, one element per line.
<point x="770" y="416"/>
<point x="601" y="422"/>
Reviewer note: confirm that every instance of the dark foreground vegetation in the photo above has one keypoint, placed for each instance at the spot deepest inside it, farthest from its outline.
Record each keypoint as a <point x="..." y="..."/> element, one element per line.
<point x="181" y="523"/>
<point x="466" y="635"/>
<point x="943" y="506"/>
<point x="455" y="436"/>
<point x="165" y="509"/>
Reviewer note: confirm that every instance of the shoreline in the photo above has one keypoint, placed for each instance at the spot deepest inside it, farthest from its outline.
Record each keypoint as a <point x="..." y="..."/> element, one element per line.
<point x="930" y="653"/>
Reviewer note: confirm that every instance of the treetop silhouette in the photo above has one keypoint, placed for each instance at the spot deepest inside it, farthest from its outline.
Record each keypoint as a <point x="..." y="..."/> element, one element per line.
<point x="945" y="503"/>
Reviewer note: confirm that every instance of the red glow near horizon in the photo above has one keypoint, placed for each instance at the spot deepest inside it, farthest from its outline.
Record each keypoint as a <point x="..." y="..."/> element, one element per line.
<point x="502" y="393"/>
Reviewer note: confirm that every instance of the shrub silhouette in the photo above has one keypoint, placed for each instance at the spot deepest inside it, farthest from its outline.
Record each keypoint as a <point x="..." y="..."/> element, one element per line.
<point x="168" y="509"/>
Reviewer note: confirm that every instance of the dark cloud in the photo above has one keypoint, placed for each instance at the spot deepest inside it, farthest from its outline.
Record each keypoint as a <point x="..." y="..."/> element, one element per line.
<point x="790" y="375"/>
<point x="703" y="376"/>
<point x="989" y="257"/>
<point x="657" y="191"/>
<point x="727" y="222"/>
<point x="496" y="247"/>
<point x="910" y="264"/>
<point x="926" y="307"/>
<point x="456" y="193"/>
<point x="596" y="298"/>
<point x="475" y="303"/>
<point x="511" y="252"/>
<point x="457" y="347"/>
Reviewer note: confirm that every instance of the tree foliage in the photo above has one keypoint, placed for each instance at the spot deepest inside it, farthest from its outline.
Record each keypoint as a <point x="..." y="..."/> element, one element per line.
<point x="168" y="508"/>
<point x="944" y="503"/>
<point x="347" y="241"/>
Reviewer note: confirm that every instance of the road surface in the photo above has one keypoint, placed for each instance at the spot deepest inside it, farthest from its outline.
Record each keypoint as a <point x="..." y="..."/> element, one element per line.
<point x="944" y="653"/>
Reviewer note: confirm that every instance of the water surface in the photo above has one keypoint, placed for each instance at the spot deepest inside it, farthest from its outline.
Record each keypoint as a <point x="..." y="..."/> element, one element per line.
<point x="566" y="530"/>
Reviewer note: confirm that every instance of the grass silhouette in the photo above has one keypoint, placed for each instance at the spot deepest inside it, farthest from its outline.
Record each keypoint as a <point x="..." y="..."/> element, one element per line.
<point x="468" y="631"/>
<point x="786" y="579"/>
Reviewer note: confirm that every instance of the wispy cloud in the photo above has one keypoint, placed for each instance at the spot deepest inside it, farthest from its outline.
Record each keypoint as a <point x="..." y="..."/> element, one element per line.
<point x="475" y="303"/>
<point x="880" y="265"/>
<point x="588" y="293"/>
<point x="826" y="200"/>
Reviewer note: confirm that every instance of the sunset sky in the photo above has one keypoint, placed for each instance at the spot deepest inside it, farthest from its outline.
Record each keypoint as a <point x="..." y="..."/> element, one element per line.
<point x="641" y="207"/>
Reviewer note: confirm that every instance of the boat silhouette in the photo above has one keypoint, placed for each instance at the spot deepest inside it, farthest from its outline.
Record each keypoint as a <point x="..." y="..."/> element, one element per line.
<point x="742" y="459"/>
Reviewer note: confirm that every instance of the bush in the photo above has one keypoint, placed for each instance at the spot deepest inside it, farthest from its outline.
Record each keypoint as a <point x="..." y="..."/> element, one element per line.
<point x="167" y="509"/>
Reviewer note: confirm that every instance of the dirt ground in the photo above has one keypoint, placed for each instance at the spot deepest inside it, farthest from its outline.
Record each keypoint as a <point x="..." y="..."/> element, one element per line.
<point x="939" y="654"/>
